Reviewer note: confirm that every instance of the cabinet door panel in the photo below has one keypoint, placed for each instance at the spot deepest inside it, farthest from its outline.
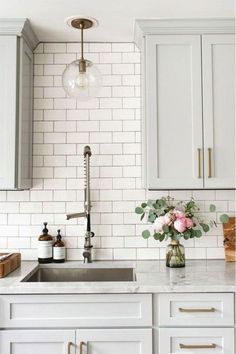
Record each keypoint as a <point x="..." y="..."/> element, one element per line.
<point x="37" y="342"/>
<point x="219" y="110"/>
<point x="25" y="117"/>
<point x="173" y="112"/>
<point x="115" y="341"/>
<point x="8" y="111"/>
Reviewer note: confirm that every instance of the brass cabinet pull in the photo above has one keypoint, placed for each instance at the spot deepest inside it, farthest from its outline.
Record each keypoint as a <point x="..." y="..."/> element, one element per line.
<point x="211" y="309"/>
<point x="68" y="347"/>
<point x="81" y="347"/>
<point x="199" y="163"/>
<point x="200" y="346"/>
<point x="209" y="163"/>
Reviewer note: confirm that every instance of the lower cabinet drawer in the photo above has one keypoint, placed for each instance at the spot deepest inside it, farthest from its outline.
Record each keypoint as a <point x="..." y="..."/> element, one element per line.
<point x="108" y="310"/>
<point x="196" y="310"/>
<point x="196" y="340"/>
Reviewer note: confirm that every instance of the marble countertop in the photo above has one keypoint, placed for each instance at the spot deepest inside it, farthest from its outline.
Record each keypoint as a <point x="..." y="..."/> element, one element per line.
<point x="151" y="277"/>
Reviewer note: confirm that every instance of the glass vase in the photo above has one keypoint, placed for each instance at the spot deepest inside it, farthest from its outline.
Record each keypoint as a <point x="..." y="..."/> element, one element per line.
<point x="175" y="257"/>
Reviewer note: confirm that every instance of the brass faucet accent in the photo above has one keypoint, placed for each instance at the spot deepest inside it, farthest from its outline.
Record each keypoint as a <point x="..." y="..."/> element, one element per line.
<point x="87" y="254"/>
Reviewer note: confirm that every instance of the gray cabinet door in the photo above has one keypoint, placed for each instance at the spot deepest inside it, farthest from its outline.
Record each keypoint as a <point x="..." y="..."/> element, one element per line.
<point x="24" y="166"/>
<point x="8" y="111"/>
<point x="173" y="112"/>
<point x="218" y="58"/>
<point x="16" y="75"/>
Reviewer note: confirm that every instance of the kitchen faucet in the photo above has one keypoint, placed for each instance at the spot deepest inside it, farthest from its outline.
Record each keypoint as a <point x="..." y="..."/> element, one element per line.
<point x="87" y="254"/>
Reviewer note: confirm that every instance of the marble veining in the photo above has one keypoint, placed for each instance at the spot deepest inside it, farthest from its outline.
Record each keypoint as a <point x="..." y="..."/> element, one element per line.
<point x="151" y="277"/>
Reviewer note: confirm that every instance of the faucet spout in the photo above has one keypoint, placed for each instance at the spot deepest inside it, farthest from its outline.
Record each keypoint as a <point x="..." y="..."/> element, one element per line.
<point x="76" y="215"/>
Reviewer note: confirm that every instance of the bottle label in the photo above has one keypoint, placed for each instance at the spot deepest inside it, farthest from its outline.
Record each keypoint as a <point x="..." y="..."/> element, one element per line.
<point x="59" y="253"/>
<point x="45" y="249"/>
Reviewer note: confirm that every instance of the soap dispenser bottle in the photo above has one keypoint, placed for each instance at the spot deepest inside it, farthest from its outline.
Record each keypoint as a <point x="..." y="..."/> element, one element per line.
<point x="45" y="243"/>
<point x="59" y="250"/>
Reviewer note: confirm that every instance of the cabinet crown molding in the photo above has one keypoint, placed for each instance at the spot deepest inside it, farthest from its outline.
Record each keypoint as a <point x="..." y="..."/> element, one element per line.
<point x="181" y="26"/>
<point x="19" y="27"/>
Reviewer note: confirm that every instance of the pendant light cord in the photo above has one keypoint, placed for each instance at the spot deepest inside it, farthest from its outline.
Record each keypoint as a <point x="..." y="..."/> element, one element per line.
<point x="82" y="40"/>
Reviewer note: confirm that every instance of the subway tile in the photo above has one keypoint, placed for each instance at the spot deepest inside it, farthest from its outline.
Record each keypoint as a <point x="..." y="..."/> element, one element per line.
<point x="64" y="58"/>
<point x="76" y="114"/>
<point x="54" y="47"/>
<point x="54" y="114"/>
<point x="65" y="126"/>
<point x="54" y="138"/>
<point x="123" y="69"/>
<point x="123" y="254"/>
<point x="43" y="81"/>
<point x="110" y="57"/>
<point x="43" y="58"/>
<point x="122" y="47"/>
<point x="100" y="47"/>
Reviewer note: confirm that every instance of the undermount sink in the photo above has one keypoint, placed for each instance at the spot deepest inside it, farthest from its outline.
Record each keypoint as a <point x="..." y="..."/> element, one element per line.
<point x="80" y="275"/>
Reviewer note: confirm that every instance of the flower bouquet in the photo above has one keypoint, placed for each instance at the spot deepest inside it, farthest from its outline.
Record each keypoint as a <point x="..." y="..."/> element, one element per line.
<point x="173" y="221"/>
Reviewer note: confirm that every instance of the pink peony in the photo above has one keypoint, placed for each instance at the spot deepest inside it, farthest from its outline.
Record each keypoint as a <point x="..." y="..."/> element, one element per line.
<point x="179" y="214"/>
<point x="189" y="223"/>
<point x="168" y="218"/>
<point x="180" y="224"/>
<point x="158" y="224"/>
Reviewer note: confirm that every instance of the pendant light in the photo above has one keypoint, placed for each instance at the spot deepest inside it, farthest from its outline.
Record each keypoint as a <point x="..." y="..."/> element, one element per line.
<point x="81" y="79"/>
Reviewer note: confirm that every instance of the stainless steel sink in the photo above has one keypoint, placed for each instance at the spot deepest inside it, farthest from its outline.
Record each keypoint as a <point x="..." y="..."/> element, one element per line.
<point x="80" y="275"/>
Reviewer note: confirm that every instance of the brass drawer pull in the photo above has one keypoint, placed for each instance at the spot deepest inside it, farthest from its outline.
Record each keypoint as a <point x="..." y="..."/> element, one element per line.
<point x="81" y="347"/>
<point x="209" y="163"/>
<point x="199" y="163"/>
<point x="202" y="346"/>
<point x="68" y="347"/>
<point x="211" y="309"/>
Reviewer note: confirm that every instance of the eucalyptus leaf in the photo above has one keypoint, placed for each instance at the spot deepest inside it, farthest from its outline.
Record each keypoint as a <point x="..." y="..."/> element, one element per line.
<point x="152" y="217"/>
<point x="197" y="233"/>
<point x="142" y="216"/>
<point x="162" y="237"/>
<point x="205" y="227"/>
<point x="139" y="210"/>
<point x="212" y="208"/>
<point x="146" y="234"/>
<point x="156" y="236"/>
<point x="224" y="218"/>
<point x="165" y="228"/>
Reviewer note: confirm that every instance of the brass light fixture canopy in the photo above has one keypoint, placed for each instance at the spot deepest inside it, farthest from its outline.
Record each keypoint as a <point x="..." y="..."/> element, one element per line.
<point x="76" y="22"/>
<point x="84" y="23"/>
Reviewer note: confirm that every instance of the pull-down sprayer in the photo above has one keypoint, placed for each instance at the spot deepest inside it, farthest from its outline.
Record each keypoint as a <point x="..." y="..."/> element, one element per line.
<point x="87" y="254"/>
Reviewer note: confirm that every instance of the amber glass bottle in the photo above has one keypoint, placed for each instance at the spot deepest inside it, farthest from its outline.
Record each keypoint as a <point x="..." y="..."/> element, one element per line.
<point x="45" y="243"/>
<point x="59" y="250"/>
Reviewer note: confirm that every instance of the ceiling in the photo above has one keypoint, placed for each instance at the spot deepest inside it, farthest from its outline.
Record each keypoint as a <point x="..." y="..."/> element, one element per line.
<point x="116" y="17"/>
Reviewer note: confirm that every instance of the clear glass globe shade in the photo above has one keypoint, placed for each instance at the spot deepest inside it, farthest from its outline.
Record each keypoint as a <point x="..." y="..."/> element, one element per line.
<point x="82" y="85"/>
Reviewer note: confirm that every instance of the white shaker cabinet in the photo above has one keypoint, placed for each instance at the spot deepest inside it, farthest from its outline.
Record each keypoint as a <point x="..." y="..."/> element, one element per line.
<point x="218" y="72"/>
<point x="115" y="341"/>
<point x="188" y="103"/>
<point x="37" y="342"/>
<point x="16" y="99"/>
<point x="173" y="111"/>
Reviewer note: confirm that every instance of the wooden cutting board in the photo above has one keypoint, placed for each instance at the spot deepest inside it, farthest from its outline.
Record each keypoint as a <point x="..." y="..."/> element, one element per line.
<point x="10" y="264"/>
<point x="230" y="240"/>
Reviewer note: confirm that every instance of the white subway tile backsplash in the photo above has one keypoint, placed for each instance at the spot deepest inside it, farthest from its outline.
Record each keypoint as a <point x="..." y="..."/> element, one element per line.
<point x="111" y="125"/>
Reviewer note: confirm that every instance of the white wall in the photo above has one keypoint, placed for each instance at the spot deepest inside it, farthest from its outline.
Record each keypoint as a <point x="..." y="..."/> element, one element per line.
<point x="110" y="124"/>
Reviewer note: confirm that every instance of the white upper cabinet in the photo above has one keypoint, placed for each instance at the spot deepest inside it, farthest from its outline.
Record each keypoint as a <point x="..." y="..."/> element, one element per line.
<point x="16" y="76"/>
<point x="188" y="103"/>
<point x="218" y="72"/>
<point x="173" y="111"/>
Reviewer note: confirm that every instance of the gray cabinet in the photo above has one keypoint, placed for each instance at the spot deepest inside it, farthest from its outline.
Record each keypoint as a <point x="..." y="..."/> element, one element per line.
<point x="16" y="77"/>
<point x="188" y="103"/>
